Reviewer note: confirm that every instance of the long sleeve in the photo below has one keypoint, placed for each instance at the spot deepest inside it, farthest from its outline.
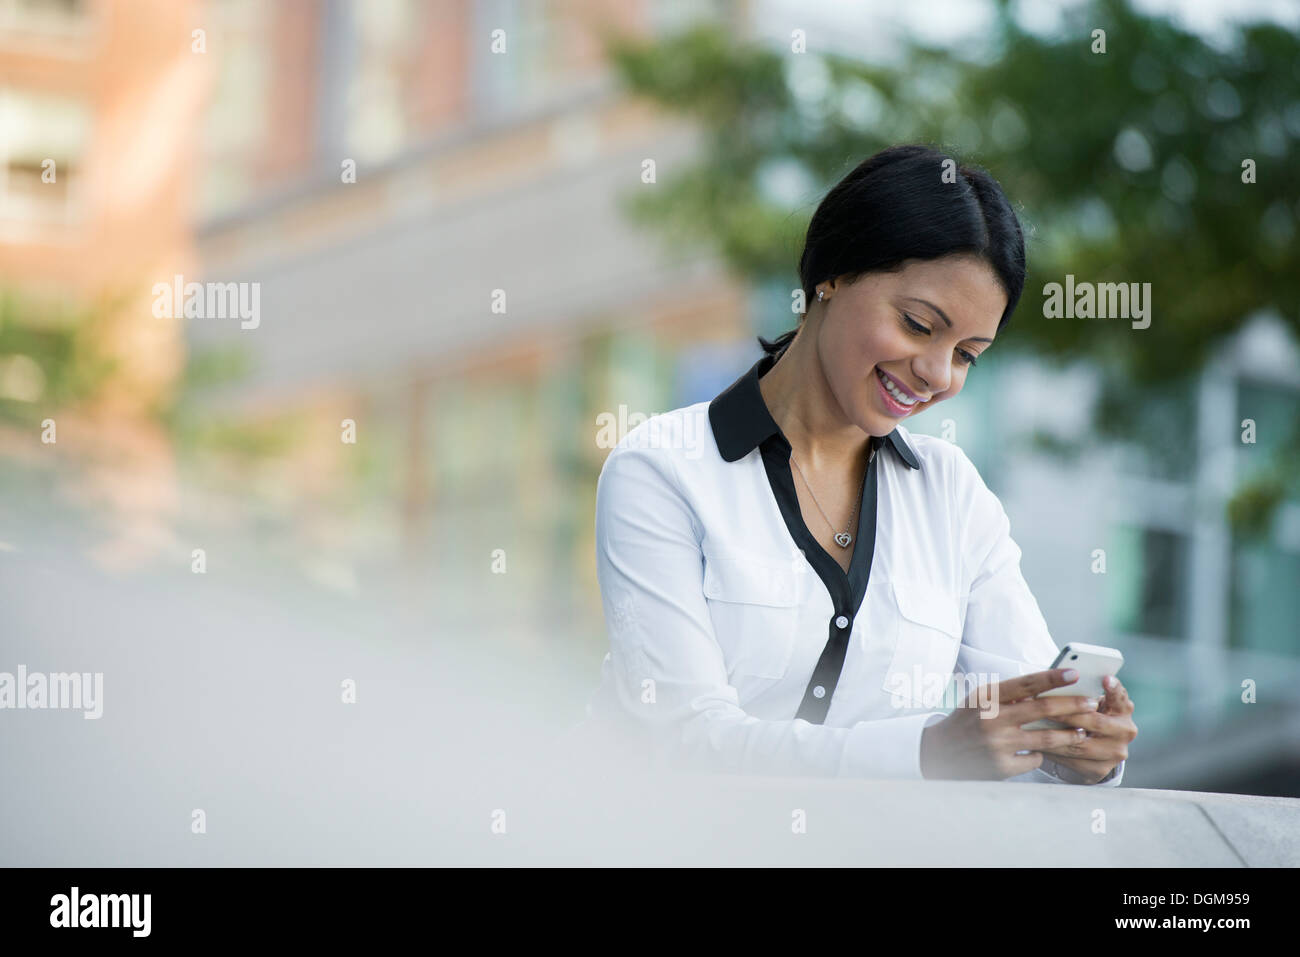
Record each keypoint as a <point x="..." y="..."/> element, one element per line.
<point x="1005" y="634"/>
<point x="1053" y="773"/>
<point x="666" y="668"/>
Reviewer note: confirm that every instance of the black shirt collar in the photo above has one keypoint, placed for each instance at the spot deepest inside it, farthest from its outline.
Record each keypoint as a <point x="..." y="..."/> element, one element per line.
<point x="741" y="420"/>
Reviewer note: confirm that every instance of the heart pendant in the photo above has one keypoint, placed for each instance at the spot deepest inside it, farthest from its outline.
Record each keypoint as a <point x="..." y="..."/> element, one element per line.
<point x="842" y="539"/>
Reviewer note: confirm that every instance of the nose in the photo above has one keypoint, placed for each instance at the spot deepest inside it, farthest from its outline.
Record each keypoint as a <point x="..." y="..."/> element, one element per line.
<point x="933" y="373"/>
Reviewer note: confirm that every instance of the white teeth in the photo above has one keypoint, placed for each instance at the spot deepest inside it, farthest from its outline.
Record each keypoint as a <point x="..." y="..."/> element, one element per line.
<point x="893" y="390"/>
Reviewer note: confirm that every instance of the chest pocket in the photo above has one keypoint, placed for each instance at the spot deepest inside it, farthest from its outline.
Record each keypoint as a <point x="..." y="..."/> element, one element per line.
<point x="928" y="639"/>
<point x="754" y="604"/>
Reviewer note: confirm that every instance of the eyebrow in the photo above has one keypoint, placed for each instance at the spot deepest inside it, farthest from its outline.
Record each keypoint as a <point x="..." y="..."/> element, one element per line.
<point x="944" y="316"/>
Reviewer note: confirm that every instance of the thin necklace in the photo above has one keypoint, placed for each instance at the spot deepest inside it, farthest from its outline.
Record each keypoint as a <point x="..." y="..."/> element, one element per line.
<point x="842" y="539"/>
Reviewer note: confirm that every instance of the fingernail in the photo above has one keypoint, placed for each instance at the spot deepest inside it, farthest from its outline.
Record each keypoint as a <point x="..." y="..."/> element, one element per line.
<point x="1092" y="702"/>
<point x="1071" y="674"/>
<point x="1108" y="681"/>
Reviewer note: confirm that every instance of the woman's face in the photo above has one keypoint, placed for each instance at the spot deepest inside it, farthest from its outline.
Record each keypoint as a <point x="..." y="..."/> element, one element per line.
<point x="890" y="327"/>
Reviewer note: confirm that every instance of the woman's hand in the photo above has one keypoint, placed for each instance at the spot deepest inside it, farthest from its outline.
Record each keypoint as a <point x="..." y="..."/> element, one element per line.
<point x="1109" y="730"/>
<point x="980" y="743"/>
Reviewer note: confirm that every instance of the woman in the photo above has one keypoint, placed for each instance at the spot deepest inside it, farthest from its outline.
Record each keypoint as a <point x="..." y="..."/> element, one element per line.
<point x="790" y="576"/>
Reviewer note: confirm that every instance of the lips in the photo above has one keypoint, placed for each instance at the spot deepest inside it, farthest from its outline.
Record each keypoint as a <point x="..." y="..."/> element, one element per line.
<point x="899" y="386"/>
<point x="894" y="406"/>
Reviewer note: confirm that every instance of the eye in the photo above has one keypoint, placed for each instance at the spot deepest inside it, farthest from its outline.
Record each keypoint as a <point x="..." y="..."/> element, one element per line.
<point x="914" y="326"/>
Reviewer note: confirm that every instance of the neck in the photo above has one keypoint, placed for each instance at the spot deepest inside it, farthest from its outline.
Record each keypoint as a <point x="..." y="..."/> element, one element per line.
<point x="800" y="400"/>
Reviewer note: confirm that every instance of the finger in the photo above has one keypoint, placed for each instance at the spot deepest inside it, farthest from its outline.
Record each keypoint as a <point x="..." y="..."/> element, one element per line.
<point x="1095" y="748"/>
<point x="1115" y="727"/>
<point x="1105" y="761"/>
<point x="1064" y="741"/>
<point x="1117" y="697"/>
<point x="1052" y="706"/>
<point x="1026" y="686"/>
<point x="1020" y="763"/>
<point x="1097" y="725"/>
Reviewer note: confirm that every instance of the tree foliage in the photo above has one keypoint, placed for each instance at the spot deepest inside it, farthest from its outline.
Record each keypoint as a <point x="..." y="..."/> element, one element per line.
<point x="1125" y="166"/>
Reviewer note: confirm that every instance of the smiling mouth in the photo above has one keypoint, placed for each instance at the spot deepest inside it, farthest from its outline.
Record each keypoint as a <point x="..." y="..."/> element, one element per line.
<point x="899" y="395"/>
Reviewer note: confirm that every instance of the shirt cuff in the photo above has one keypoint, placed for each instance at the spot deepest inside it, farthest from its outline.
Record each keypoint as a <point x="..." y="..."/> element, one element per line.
<point x="1065" y="775"/>
<point x="888" y="748"/>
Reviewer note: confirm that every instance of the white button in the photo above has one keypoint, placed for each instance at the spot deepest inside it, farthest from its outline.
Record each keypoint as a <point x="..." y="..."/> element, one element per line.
<point x="819" y="692"/>
<point x="841" y="622"/>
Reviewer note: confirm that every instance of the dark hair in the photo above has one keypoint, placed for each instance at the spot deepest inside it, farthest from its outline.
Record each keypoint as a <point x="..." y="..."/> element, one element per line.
<point x="897" y="205"/>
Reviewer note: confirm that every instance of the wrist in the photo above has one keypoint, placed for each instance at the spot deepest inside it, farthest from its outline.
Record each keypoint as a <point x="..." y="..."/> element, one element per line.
<point x="1059" y="768"/>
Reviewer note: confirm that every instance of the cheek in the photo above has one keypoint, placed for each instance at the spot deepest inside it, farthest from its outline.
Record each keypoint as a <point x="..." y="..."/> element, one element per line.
<point x="882" y="347"/>
<point x="848" y="359"/>
<point x="850" y="375"/>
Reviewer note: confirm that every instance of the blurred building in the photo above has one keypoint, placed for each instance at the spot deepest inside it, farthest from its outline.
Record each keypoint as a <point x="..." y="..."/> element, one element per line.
<point x="437" y="234"/>
<point x="100" y="107"/>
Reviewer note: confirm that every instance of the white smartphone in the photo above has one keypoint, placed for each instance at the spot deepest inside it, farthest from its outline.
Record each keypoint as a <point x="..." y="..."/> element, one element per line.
<point x="1093" y="662"/>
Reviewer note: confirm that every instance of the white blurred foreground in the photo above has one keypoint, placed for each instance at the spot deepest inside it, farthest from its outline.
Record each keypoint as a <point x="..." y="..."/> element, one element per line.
<point x="218" y="700"/>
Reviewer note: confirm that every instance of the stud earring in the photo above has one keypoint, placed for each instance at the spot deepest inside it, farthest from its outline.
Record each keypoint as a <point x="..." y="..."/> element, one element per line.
<point x="821" y="294"/>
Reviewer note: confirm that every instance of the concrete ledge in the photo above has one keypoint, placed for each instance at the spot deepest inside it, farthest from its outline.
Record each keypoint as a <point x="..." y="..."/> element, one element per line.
<point x="698" y="819"/>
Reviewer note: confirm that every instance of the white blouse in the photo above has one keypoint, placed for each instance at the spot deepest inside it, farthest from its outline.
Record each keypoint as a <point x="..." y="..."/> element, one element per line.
<point x="737" y="643"/>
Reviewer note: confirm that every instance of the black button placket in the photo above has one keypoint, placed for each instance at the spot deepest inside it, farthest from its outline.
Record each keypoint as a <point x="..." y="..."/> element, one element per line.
<point x="846" y="591"/>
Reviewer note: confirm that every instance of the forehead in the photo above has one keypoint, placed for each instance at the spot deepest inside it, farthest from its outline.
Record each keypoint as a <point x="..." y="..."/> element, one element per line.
<point x="937" y="275"/>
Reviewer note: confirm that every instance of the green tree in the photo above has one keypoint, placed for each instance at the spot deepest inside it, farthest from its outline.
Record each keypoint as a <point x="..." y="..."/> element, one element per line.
<point x="1125" y="165"/>
<point x="48" y="359"/>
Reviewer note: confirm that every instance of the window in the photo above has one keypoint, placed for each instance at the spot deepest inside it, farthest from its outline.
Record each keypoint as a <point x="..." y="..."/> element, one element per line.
<point x="42" y="140"/>
<point x="235" y="124"/>
<point x="552" y="50"/>
<point x="387" y="41"/>
<point x="54" y="19"/>
<point x="1265" y="599"/>
<point x="1147" y="569"/>
<point x="1161" y="699"/>
<point x="1275" y="410"/>
<point x="1162" y="440"/>
<point x="511" y="81"/>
